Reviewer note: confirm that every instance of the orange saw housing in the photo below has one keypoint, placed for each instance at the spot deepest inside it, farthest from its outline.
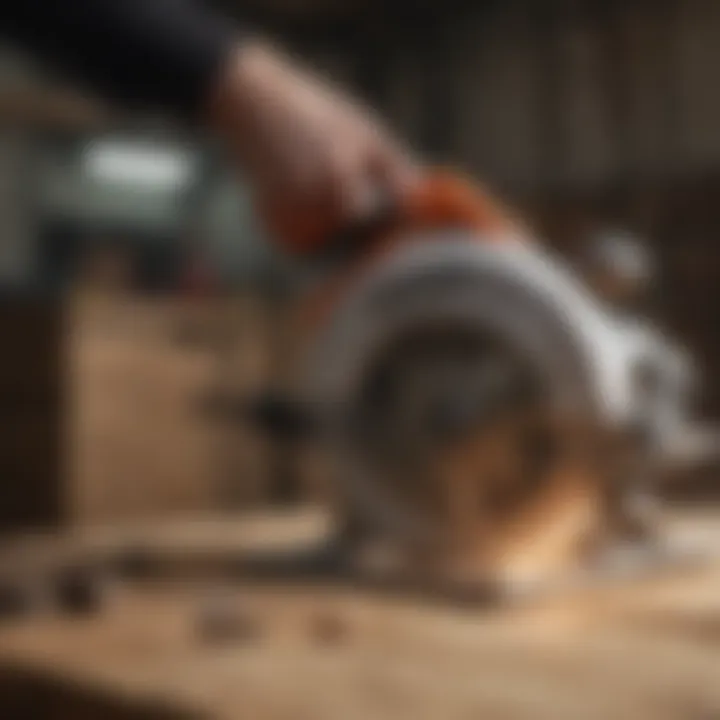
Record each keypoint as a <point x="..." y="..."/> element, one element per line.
<point x="442" y="200"/>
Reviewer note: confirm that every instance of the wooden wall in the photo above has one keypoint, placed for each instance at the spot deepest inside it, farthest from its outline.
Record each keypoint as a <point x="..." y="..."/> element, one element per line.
<point x="568" y="92"/>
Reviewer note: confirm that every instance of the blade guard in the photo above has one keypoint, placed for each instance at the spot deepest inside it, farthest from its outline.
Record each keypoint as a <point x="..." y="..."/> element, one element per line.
<point x="579" y="510"/>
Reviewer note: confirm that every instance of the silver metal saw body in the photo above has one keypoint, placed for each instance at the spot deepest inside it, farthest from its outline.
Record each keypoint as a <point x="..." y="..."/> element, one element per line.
<point x="452" y="346"/>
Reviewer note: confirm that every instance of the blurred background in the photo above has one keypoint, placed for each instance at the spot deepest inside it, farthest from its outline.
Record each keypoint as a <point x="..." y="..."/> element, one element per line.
<point x="134" y="277"/>
<point x="135" y="280"/>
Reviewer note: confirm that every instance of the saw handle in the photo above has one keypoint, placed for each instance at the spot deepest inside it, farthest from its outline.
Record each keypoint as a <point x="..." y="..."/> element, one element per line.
<point x="442" y="199"/>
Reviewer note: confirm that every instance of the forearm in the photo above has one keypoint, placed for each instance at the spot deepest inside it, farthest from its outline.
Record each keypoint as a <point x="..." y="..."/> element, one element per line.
<point x="307" y="150"/>
<point x="147" y="53"/>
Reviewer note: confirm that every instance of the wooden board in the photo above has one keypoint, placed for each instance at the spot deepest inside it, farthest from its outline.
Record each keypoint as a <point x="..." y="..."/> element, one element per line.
<point x="649" y="649"/>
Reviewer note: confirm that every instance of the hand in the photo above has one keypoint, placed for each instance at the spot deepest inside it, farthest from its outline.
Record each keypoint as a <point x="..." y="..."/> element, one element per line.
<point x="305" y="147"/>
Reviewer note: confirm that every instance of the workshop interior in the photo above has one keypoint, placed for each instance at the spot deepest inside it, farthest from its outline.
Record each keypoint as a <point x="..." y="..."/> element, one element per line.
<point x="461" y="461"/>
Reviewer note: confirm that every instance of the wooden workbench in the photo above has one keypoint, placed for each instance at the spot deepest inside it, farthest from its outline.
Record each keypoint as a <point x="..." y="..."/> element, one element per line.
<point x="646" y="650"/>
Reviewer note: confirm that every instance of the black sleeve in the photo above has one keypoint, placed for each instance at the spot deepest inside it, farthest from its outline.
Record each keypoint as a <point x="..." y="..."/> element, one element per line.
<point x="145" y="53"/>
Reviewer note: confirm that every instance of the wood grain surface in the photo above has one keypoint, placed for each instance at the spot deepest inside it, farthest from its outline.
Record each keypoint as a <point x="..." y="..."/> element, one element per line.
<point x="647" y="648"/>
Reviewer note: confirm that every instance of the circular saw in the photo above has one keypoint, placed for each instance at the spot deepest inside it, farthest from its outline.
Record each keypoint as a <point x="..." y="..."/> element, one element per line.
<point x="486" y="413"/>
